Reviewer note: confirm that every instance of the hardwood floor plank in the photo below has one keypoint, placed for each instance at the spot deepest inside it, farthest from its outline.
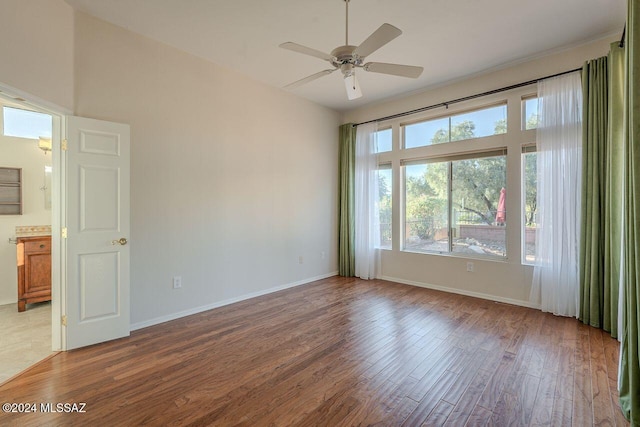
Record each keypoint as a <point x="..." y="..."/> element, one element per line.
<point x="492" y="392"/>
<point x="543" y="407"/>
<point x="562" y="414"/>
<point x="582" y="413"/>
<point x="439" y="415"/>
<point x="426" y="405"/>
<point x="601" y="396"/>
<point x="526" y="396"/>
<point x="479" y="417"/>
<point x="338" y="352"/>
<point x="467" y="402"/>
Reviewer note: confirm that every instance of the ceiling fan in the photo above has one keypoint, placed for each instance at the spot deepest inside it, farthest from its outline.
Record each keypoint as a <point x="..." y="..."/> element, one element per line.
<point x="347" y="58"/>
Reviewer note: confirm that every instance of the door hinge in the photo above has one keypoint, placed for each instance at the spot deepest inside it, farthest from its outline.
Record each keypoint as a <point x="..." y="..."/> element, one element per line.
<point x="63" y="145"/>
<point x="64" y="232"/>
<point x="63" y="320"/>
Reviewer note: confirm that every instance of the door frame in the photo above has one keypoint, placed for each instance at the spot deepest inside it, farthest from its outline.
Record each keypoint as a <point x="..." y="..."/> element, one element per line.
<point x="58" y="206"/>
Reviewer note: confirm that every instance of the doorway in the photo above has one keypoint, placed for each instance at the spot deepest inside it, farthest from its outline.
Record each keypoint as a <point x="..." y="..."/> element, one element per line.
<point x="27" y="206"/>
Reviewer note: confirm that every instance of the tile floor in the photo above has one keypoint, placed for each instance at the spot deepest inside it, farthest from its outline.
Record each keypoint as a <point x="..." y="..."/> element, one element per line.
<point x="25" y="337"/>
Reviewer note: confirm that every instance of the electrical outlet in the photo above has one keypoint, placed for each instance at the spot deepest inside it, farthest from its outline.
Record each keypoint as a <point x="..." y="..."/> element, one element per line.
<point x="300" y="260"/>
<point x="470" y="267"/>
<point x="177" y="282"/>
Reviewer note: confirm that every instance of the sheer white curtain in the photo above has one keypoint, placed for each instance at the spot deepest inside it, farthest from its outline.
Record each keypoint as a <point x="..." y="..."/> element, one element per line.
<point x="367" y="222"/>
<point x="556" y="278"/>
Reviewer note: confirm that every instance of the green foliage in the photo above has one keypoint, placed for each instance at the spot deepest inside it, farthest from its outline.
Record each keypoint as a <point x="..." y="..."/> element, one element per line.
<point x="385" y="207"/>
<point x="426" y="201"/>
<point x="532" y="121"/>
<point x="463" y="130"/>
<point x="530" y="183"/>
<point x="476" y="187"/>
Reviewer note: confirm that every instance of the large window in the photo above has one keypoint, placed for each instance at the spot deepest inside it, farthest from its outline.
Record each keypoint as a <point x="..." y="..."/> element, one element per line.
<point x="385" y="187"/>
<point x="453" y="193"/>
<point x="473" y="124"/>
<point x="529" y="203"/>
<point x="26" y="124"/>
<point x="456" y="205"/>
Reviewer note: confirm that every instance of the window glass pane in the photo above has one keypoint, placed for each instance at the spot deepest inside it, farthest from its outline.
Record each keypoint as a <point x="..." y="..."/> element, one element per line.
<point x="476" y="124"/>
<point x="478" y="202"/>
<point x="26" y="124"/>
<point x="530" y="112"/>
<point x="426" y="206"/>
<point x="385" y="186"/>
<point x="426" y="133"/>
<point x="383" y="139"/>
<point x="530" y="183"/>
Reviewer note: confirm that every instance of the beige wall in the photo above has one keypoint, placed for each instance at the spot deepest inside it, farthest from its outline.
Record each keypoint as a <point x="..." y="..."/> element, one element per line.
<point x="20" y="153"/>
<point x="506" y="280"/>
<point x="37" y="49"/>
<point x="231" y="180"/>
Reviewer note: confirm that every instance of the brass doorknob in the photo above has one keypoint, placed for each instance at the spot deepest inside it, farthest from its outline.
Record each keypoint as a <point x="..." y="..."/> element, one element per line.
<point x="122" y="241"/>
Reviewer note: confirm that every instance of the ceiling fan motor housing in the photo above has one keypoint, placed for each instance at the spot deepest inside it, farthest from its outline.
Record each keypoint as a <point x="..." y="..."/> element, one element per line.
<point x="344" y="55"/>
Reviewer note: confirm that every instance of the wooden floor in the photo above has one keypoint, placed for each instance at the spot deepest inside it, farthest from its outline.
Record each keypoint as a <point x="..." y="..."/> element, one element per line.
<point x="337" y="352"/>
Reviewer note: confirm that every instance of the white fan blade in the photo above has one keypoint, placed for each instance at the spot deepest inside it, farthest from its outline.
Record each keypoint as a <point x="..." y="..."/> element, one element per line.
<point x="306" y="50"/>
<point x="379" y="38"/>
<point x="352" y="86"/>
<point x="309" y="78"/>
<point x="394" y="69"/>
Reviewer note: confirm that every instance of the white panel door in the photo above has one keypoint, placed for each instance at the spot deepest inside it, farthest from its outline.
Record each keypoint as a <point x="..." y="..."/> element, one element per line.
<point x="97" y="221"/>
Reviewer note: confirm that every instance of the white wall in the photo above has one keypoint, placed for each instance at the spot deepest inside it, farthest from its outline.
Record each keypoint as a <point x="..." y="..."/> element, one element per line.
<point x="37" y="49"/>
<point x="507" y="280"/>
<point x="20" y="153"/>
<point x="232" y="181"/>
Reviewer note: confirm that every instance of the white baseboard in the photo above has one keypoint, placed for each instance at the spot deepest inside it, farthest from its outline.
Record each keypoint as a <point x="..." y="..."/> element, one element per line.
<point x="462" y="292"/>
<point x="200" y="309"/>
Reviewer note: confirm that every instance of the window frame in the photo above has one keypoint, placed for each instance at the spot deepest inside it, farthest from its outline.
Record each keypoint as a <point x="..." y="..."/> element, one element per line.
<point x="512" y="139"/>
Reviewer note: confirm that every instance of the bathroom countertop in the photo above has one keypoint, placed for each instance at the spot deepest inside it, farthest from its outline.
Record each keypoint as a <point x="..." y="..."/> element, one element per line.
<point x="33" y="230"/>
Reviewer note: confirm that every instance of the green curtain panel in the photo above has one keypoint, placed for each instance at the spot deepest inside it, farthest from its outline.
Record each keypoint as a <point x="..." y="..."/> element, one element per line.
<point x="594" y="148"/>
<point x="630" y="362"/>
<point x="603" y="166"/>
<point x="346" y="232"/>
<point x="614" y="181"/>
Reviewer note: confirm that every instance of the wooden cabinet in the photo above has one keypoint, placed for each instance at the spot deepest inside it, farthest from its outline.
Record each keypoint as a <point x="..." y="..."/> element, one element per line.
<point x="10" y="191"/>
<point x="34" y="270"/>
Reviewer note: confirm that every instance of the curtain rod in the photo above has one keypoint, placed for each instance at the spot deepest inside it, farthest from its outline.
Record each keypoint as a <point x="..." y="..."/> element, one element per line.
<point x="466" y="98"/>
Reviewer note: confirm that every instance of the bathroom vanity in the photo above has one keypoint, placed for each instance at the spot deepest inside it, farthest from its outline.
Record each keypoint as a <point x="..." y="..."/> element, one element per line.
<point x="34" y="270"/>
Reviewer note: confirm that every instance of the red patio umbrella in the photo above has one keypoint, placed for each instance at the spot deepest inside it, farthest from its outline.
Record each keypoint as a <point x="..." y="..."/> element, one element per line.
<point x="501" y="214"/>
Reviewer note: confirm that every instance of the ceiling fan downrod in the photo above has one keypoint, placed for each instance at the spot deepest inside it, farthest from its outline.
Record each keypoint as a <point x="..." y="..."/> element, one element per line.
<point x="346" y="31"/>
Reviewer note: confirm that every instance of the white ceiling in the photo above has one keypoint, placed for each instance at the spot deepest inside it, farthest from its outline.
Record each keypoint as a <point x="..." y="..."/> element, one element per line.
<point x="449" y="38"/>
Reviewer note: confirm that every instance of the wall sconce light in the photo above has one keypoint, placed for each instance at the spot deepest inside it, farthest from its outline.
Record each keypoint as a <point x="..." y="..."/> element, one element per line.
<point x="44" y="144"/>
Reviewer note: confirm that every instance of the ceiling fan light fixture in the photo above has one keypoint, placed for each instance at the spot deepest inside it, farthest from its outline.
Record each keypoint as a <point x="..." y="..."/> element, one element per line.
<point x="352" y="86"/>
